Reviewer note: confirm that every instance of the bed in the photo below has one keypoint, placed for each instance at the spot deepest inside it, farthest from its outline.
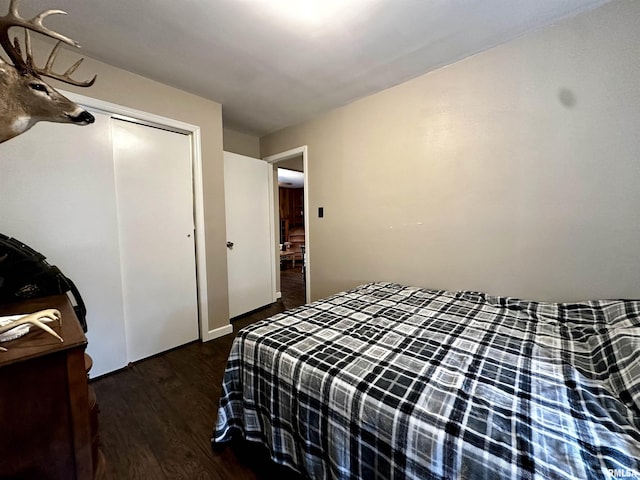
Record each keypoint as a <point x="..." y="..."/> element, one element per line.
<point x="389" y="381"/>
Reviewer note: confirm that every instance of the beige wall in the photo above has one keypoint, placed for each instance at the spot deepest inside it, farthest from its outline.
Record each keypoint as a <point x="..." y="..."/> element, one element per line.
<point x="515" y="171"/>
<point x="294" y="163"/>
<point x="241" y="143"/>
<point x="124" y="88"/>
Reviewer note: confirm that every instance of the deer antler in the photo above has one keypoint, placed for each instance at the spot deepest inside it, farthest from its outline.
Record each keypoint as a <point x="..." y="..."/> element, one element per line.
<point x="37" y="319"/>
<point x="47" y="70"/>
<point x="14" y="52"/>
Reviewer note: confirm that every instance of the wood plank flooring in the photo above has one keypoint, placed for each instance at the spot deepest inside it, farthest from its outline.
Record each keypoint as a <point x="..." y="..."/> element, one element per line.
<point x="292" y="287"/>
<point x="157" y="416"/>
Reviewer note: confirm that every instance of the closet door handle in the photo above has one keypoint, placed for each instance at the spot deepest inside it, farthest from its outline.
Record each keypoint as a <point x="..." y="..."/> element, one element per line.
<point x="230" y="245"/>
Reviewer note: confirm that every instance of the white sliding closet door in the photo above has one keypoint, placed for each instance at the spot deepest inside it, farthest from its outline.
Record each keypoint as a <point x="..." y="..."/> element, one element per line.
<point x="110" y="204"/>
<point x="57" y="195"/>
<point x="154" y="190"/>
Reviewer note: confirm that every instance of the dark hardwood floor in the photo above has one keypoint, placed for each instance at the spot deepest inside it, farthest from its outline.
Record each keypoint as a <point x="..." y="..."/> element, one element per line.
<point x="292" y="285"/>
<point x="157" y="416"/>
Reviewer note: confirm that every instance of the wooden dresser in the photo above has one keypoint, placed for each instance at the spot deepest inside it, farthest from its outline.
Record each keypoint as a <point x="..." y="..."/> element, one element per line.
<point x="48" y="416"/>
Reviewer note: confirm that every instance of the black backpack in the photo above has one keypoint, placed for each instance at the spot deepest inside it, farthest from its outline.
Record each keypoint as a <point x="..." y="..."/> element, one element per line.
<point x="24" y="274"/>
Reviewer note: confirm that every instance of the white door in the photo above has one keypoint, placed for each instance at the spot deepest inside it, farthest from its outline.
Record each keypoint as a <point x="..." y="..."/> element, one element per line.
<point x="57" y="196"/>
<point x="250" y="250"/>
<point x="154" y="191"/>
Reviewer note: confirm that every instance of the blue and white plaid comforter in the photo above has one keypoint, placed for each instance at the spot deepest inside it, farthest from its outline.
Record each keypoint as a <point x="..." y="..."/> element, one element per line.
<point x="388" y="382"/>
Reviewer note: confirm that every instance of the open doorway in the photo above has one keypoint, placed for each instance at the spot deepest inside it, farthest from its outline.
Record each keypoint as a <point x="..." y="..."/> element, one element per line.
<point x="290" y="207"/>
<point x="291" y="231"/>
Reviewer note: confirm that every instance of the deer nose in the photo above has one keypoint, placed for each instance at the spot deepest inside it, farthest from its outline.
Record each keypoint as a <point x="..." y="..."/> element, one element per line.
<point x="83" y="117"/>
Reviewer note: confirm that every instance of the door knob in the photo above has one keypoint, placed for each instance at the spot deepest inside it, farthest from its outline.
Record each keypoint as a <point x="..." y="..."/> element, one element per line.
<point x="230" y="245"/>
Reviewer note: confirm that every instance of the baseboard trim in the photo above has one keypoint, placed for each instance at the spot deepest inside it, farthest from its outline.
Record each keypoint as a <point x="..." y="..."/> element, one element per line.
<point x="278" y="295"/>
<point x="218" y="332"/>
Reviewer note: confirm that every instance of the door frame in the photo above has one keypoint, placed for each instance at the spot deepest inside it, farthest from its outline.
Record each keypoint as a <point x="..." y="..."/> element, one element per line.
<point x="276" y="158"/>
<point x="193" y="131"/>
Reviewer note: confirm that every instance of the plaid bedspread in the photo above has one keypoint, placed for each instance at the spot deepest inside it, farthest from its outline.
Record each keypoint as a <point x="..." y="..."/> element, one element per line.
<point x="388" y="382"/>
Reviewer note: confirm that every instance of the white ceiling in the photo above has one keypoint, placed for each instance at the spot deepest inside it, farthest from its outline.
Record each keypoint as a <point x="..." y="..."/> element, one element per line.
<point x="290" y="178"/>
<point x="272" y="67"/>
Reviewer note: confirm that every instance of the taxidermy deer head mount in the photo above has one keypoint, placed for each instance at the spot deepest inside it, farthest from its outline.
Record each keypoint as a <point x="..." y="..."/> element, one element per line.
<point x="24" y="98"/>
